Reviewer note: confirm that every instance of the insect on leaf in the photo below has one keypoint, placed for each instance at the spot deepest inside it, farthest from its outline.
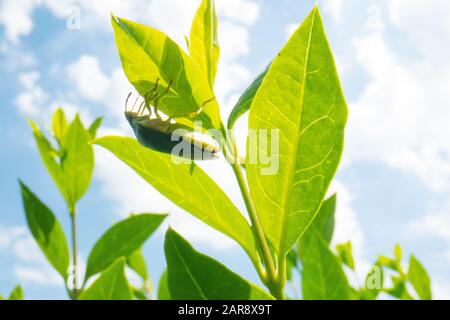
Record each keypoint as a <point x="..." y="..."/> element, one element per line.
<point x="121" y="240"/>
<point x="301" y="99"/>
<point x="110" y="285"/>
<point x="149" y="55"/>
<point x="195" y="276"/>
<point x="46" y="230"/>
<point x="186" y="185"/>
<point x="204" y="43"/>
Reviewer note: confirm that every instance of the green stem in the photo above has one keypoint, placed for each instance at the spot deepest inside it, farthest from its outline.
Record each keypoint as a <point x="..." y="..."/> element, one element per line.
<point x="74" y="252"/>
<point x="271" y="280"/>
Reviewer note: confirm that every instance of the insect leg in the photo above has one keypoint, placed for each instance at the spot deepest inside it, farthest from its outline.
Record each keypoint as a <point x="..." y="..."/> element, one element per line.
<point x="126" y="101"/>
<point x="156" y="100"/>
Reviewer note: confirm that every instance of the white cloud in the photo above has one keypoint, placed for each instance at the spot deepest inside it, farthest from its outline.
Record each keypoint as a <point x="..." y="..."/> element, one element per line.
<point x="334" y="8"/>
<point x="30" y="265"/>
<point x="400" y="119"/>
<point x="435" y="223"/>
<point x="32" y="96"/>
<point x="88" y="77"/>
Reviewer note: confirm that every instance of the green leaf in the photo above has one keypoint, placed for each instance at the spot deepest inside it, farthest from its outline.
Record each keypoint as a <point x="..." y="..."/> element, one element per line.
<point x="323" y="224"/>
<point x="121" y="240"/>
<point x="16" y="294"/>
<point x="301" y="97"/>
<point x="345" y="254"/>
<point x="48" y="155"/>
<point x="204" y="43"/>
<point x="139" y="294"/>
<point x="59" y="125"/>
<point x="136" y="262"/>
<point x="399" y="289"/>
<point x="195" y="276"/>
<point x="110" y="285"/>
<point x="389" y="263"/>
<point x="78" y="164"/>
<point x="419" y="279"/>
<point x="148" y="54"/>
<point x="398" y="253"/>
<point x="94" y="127"/>
<point x="322" y="275"/>
<point x="46" y="230"/>
<point x="291" y="263"/>
<point x="163" y="287"/>
<point x="246" y="99"/>
<point x="192" y="190"/>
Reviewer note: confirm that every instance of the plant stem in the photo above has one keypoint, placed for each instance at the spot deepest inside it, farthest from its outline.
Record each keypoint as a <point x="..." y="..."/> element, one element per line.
<point x="74" y="252"/>
<point x="272" y="279"/>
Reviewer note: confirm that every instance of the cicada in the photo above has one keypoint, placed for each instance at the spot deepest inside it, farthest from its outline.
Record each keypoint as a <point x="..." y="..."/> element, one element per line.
<point x="156" y="133"/>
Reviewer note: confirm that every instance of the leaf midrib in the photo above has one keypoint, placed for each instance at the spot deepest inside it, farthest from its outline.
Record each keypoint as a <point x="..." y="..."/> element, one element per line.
<point x="293" y="164"/>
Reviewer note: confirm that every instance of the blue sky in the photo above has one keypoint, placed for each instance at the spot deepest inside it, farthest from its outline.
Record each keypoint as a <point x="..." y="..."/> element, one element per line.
<point x="394" y="181"/>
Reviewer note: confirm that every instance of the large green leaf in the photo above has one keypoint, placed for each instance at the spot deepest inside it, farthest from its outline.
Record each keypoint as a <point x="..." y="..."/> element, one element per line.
<point x="110" y="285"/>
<point x="246" y="99"/>
<point x="301" y="98"/>
<point x="148" y="54"/>
<point x="78" y="163"/>
<point x="419" y="279"/>
<point x="322" y="275"/>
<point x="195" y="276"/>
<point x="204" y="43"/>
<point x="46" y="230"/>
<point x="121" y="240"/>
<point x="186" y="185"/>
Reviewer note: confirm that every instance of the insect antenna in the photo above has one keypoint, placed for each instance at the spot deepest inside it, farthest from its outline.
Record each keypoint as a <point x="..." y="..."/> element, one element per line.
<point x="126" y="101"/>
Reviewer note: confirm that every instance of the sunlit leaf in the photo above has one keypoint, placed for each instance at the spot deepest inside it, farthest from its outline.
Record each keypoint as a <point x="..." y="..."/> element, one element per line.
<point x="195" y="276"/>
<point x="110" y="285"/>
<point x="148" y="54"/>
<point x="47" y="231"/>
<point x="246" y="99"/>
<point x="163" y="287"/>
<point x="121" y="240"/>
<point x="204" y="43"/>
<point x="78" y="163"/>
<point x="323" y="223"/>
<point x="137" y="262"/>
<point x="94" y="127"/>
<point x="186" y="185"/>
<point x="419" y="279"/>
<point x="345" y="254"/>
<point x="322" y="275"/>
<point x="300" y="98"/>
<point x="59" y="125"/>
<point x="16" y="293"/>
